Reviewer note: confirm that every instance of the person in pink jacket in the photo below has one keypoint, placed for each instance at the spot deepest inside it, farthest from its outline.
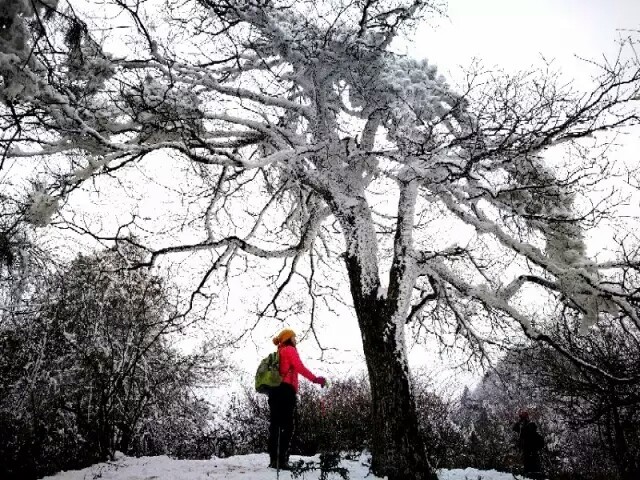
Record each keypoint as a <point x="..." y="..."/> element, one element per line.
<point x="283" y="398"/>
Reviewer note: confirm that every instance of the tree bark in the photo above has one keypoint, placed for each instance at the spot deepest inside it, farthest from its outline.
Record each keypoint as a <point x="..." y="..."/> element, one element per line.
<point x="398" y="448"/>
<point x="627" y="467"/>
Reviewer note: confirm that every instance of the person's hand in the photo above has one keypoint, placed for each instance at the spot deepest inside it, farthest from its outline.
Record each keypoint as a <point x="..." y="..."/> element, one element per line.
<point x="321" y="381"/>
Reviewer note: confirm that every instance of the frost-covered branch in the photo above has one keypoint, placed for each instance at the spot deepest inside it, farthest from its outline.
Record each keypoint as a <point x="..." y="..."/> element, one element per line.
<point x="492" y="301"/>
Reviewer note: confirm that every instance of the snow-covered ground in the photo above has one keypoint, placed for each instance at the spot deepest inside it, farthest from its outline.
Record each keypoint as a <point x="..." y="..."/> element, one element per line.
<point x="247" y="467"/>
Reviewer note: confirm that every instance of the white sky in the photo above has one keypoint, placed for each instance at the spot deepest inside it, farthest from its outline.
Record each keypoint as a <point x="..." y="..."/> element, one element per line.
<point x="513" y="34"/>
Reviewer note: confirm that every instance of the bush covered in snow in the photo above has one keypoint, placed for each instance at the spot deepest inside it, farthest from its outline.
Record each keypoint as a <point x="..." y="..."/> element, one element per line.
<point x="87" y="369"/>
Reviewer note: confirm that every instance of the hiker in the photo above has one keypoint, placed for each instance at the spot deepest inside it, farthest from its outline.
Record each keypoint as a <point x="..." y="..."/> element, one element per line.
<point x="282" y="399"/>
<point x="530" y="443"/>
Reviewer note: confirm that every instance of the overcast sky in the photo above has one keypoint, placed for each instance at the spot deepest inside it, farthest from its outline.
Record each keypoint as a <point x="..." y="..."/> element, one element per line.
<point x="513" y="34"/>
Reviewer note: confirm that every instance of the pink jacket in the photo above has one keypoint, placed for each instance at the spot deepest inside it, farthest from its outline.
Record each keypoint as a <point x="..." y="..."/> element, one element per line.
<point x="291" y="366"/>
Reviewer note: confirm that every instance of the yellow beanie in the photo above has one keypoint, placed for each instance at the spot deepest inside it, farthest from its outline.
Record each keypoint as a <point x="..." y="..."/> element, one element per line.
<point x="283" y="336"/>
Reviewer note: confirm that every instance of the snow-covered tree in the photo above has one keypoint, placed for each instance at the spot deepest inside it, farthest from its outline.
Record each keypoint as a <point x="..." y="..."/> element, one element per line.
<point x="305" y="136"/>
<point x="592" y="406"/>
<point x="589" y="421"/>
<point x="89" y="369"/>
<point x="24" y="259"/>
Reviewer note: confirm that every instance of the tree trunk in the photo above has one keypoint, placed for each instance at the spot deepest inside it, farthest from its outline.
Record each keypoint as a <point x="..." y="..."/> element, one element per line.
<point x="398" y="448"/>
<point x="626" y="464"/>
<point x="126" y="436"/>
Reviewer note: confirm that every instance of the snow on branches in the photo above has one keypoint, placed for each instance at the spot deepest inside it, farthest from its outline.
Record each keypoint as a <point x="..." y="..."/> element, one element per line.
<point x="309" y="104"/>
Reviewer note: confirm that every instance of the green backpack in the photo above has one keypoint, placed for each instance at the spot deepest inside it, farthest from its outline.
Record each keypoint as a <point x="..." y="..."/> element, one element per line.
<point x="268" y="373"/>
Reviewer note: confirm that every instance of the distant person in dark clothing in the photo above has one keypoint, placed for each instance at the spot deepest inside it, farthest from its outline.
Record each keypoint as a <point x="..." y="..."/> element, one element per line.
<point x="530" y="443"/>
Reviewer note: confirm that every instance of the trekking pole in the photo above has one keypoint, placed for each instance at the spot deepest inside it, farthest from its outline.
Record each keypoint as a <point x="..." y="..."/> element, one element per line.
<point x="278" y="455"/>
<point x="323" y="422"/>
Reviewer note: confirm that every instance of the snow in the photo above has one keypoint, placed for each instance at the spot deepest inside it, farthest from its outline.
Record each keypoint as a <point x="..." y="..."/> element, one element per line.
<point x="245" y="467"/>
<point x="475" y="474"/>
<point x="42" y="207"/>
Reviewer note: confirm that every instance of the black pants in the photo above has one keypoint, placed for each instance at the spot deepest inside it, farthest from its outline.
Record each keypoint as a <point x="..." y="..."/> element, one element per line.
<point x="531" y="460"/>
<point x="282" y="406"/>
